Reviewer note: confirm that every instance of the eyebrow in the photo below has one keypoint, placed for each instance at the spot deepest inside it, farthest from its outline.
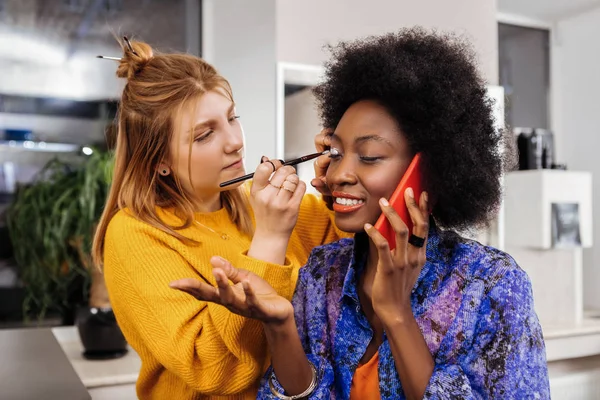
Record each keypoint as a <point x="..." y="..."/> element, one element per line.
<point x="366" y="138"/>
<point x="210" y="122"/>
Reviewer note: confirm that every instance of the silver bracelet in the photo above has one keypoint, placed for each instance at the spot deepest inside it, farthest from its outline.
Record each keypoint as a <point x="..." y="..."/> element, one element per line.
<point x="311" y="388"/>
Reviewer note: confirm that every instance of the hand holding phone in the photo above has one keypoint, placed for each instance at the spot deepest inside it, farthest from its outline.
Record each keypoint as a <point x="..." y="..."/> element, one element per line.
<point x="412" y="178"/>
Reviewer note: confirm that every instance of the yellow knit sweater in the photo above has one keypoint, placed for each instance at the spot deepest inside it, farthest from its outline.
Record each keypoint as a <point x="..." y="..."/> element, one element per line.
<point x="192" y="349"/>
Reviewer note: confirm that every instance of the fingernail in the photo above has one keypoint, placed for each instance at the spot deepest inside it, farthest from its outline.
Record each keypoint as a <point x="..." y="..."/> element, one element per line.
<point x="410" y="193"/>
<point x="263" y="159"/>
<point x="368" y="226"/>
<point x="426" y="197"/>
<point x="384" y="202"/>
<point x="312" y="184"/>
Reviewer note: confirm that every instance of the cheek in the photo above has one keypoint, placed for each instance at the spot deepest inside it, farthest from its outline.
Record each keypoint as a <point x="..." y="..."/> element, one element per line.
<point x="204" y="164"/>
<point x="196" y="162"/>
<point x="382" y="185"/>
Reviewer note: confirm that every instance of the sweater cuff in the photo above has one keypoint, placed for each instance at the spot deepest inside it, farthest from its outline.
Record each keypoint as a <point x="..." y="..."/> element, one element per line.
<point x="280" y="277"/>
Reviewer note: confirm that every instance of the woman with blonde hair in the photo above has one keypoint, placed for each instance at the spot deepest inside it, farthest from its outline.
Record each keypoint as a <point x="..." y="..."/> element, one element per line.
<point x="178" y="138"/>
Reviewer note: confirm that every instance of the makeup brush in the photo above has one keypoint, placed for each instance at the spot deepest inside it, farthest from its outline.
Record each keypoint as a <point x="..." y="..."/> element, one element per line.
<point x="295" y="161"/>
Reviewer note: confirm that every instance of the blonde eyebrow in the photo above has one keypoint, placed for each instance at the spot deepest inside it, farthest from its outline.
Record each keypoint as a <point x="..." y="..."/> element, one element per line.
<point x="207" y="123"/>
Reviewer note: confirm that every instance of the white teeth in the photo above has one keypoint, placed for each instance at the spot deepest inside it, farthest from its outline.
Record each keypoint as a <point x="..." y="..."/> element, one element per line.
<point x="348" y="202"/>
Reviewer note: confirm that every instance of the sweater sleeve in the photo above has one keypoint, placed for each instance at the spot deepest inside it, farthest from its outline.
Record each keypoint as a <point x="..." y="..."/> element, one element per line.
<point x="507" y="358"/>
<point x="211" y="349"/>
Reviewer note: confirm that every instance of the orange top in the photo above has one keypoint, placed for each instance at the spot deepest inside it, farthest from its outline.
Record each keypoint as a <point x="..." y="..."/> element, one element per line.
<point x="365" y="383"/>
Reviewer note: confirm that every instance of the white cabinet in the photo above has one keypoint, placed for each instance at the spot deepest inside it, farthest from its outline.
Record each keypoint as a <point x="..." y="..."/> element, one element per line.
<point x="529" y="196"/>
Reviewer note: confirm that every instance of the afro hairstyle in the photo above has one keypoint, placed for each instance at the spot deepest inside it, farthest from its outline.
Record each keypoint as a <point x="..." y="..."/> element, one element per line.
<point x="429" y="82"/>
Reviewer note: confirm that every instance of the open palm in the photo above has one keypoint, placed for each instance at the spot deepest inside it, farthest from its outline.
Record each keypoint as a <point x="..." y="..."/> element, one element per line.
<point x="249" y="296"/>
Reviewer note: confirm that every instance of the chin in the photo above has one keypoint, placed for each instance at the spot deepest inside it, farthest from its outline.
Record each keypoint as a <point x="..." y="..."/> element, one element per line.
<point x="348" y="224"/>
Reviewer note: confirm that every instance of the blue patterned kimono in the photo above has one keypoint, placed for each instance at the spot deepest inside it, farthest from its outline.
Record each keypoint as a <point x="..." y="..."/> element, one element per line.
<point x="474" y="306"/>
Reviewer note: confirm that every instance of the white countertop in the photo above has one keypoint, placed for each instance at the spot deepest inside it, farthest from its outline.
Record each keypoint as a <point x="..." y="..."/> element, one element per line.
<point x="97" y="373"/>
<point x="573" y="340"/>
<point x="588" y="326"/>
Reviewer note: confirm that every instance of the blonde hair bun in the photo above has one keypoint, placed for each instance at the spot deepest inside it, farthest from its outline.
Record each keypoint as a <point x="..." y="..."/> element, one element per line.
<point x="134" y="61"/>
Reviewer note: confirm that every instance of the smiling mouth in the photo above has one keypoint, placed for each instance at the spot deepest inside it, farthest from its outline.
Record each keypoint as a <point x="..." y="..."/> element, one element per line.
<point x="347" y="205"/>
<point x="348" y="202"/>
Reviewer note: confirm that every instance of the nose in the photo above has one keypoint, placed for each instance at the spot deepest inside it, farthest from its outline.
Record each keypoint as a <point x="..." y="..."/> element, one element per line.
<point x="234" y="141"/>
<point x="342" y="172"/>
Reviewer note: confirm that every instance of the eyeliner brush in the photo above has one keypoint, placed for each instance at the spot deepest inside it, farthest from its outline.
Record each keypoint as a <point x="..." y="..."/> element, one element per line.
<point x="295" y="161"/>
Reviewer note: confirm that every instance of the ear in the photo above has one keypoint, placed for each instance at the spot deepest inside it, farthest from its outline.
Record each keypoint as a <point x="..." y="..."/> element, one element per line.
<point x="164" y="170"/>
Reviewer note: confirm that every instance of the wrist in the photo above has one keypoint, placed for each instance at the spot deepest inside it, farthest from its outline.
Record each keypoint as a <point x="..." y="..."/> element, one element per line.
<point x="398" y="316"/>
<point x="268" y="248"/>
<point x="270" y="236"/>
<point x="281" y="328"/>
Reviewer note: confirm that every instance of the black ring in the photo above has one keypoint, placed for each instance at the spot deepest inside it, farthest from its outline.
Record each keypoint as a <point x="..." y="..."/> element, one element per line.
<point x="273" y="165"/>
<point x="416" y="240"/>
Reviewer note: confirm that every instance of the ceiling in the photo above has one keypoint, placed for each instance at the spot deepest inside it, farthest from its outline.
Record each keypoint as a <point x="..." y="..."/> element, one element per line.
<point x="88" y="22"/>
<point x="547" y="10"/>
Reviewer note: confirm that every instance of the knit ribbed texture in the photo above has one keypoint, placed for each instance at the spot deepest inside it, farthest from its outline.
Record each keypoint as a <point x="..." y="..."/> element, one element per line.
<point x="190" y="349"/>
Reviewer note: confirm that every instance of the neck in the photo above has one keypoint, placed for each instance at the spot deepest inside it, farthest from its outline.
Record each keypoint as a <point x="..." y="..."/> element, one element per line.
<point x="208" y="204"/>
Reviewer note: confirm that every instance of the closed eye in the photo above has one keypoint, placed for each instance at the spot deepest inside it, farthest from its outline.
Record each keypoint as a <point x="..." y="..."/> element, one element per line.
<point x="204" y="136"/>
<point x="368" y="159"/>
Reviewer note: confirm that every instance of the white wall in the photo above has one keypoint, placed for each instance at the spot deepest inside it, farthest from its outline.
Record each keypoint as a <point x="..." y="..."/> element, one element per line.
<point x="576" y="118"/>
<point x="239" y="40"/>
<point x="304" y="27"/>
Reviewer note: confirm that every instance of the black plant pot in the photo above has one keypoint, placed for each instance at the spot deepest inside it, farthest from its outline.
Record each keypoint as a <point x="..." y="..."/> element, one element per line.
<point x="100" y="335"/>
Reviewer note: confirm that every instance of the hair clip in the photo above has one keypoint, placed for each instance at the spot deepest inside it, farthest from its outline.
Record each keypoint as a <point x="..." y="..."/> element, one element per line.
<point x="129" y="45"/>
<point x="109" y="58"/>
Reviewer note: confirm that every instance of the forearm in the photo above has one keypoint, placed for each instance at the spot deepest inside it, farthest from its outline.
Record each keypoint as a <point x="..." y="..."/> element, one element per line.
<point x="411" y="354"/>
<point x="268" y="248"/>
<point x="288" y="358"/>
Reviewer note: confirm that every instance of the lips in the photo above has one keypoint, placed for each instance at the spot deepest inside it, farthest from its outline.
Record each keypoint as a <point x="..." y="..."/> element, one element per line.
<point x="236" y="164"/>
<point x="346" y="202"/>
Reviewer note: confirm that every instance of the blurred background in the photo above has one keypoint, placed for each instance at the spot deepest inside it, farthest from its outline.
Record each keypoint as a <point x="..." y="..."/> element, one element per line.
<point x="540" y="59"/>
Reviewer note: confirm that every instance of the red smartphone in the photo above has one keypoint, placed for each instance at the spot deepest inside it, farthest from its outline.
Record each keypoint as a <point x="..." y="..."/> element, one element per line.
<point x="411" y="178"/>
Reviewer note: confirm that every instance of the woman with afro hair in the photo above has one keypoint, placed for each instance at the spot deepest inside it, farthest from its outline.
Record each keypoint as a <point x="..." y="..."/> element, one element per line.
<point x="439" y="316"/>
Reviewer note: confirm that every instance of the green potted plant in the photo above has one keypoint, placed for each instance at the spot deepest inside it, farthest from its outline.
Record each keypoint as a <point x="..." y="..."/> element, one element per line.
<point x="51" y="223"/>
